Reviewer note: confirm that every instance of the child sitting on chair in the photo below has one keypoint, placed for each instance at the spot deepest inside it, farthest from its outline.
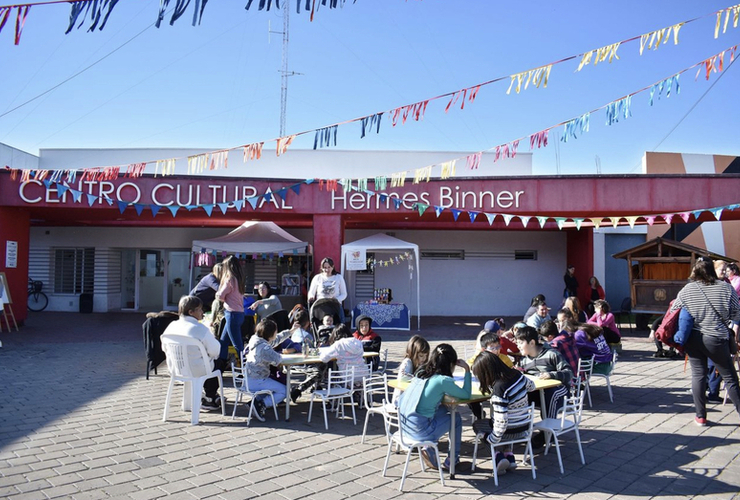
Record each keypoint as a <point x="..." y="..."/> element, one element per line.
<point x="298" y="334"/>
<point x="370" y="340"/>
<point x="260" y="356"/>
<point x="347" y="351"/>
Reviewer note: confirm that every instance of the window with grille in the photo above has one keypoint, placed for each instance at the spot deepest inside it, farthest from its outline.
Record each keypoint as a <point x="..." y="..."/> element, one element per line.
<point x="74" y="270"/>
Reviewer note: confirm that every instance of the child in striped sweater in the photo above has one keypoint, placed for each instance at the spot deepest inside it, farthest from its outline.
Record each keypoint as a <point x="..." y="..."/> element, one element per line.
<point x="509" y="389"/>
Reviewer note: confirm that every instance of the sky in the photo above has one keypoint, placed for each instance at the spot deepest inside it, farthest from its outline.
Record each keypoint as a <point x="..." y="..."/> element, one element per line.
<point x="217" y="85"/>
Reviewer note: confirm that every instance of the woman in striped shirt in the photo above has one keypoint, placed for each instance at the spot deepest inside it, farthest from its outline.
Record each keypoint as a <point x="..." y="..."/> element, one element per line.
<point x="712" y="303"/>
<point x="508" y="389"/>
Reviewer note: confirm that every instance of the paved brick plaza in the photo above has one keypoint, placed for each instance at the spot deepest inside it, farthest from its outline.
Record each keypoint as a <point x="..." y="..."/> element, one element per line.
<point x="79" y="420"/>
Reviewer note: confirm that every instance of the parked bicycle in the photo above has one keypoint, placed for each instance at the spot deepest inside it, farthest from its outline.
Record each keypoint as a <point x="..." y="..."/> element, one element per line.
<point x="37" y="300"/>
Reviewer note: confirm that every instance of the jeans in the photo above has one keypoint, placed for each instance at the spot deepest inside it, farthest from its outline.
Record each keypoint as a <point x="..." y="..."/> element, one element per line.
<point x="210" y="386"/>
<point x="421" y="428"/>
<point x="700" y="348"/>
<point x="233" y="333"/>
<point x="713" y="380"/>
<point x="278" y="390"/>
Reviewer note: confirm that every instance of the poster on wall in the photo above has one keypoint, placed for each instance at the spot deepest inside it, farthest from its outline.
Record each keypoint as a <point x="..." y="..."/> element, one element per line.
<point x="11" y="254"/>
<point x="356" y="260"/>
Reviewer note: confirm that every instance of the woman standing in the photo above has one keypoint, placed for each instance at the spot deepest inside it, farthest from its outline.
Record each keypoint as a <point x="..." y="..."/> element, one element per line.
<point x="571" y="283"/>
<point x="231" y="292"/>
<point x="328" y="285"/>
<point x="712" y="303"/>
<point x="597" y="293"/>
<point x="428" y="419"/>
<point x="268" y="303"/>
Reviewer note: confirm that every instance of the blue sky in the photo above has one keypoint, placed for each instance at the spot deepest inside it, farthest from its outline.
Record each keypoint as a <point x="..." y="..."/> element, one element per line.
<point x="217" y="85"/>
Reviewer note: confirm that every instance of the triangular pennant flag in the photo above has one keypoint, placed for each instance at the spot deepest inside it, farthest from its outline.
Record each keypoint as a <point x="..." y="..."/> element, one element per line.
<point x="61" y="189"/>
<point x="631" y="221"/>
<point x="560" y="221"/>
<point x="717" y="212"/>
<point x="525" y="219"/>
<point x="309" y="181"/>
<point x="190" y="207"/>
<point x="173" y="209"/>
<point x="268" y="195"/>
<point x="490" y="217"/>
<point x="542" y="221"/>
<point x="421" y="207"/>
<point x="282" y="192"/>
<point x="668" y="218"/>
<point x="473" y="215"/>
<point x="208" y="209"/>
<point x="122" y="205"/>
<point x="685" y="216"/>
<point x="108" y="200"/>
<point x="252" y="200"/>
<point x="597" y="221"/>
<point x="578" y="223"/>
<point x="91" y="199"/>
<point x="223" y="207"/>
<point x="155" y="209"/>
<point x="438" y="210"/>
<point x="733" y="207"/>
<point x="615" y="221"/>
<point x="650" y="220"/>
<point x="397" y="203"/>
<point x="139" y="208"/>
<point x="455" y="213"/>
<point x="47" y="183"/>
<point x="382" y="197"/>
<point x="76" y="195"/>
<point x="296" y="188"/>
<point x="696" y="213"/>
<point x="507" y="218"/>
<point x="239" y="204"/>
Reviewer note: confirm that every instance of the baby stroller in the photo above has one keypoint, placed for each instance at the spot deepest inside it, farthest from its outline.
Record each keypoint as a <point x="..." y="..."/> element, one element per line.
<point x="319" y="309"/>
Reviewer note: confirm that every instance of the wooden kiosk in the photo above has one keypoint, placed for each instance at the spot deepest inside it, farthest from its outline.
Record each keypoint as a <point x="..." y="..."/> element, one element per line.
<point x="659" y="268"/>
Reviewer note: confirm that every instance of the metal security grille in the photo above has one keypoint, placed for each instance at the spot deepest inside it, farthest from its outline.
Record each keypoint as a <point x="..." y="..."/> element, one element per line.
<point x="74" y="270"/>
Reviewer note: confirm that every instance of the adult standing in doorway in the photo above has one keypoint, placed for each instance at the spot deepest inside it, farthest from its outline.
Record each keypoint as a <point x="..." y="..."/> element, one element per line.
<point x="328" y="284"/>
<point x="571" y="283"/>
<point x="712" y="303"/>
<point x="231" y="292"/>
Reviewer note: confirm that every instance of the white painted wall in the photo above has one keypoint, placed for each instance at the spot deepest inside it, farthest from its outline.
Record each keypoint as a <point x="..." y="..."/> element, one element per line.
<point x="15" y="158"/>
<point x="477" y="287"/>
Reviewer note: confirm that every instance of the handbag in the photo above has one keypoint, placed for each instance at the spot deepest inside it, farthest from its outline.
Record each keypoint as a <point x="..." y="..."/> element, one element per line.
<point x="732" y="341"/>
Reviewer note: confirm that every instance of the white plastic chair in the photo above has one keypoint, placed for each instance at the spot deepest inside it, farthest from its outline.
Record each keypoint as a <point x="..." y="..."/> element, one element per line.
<point x="241" y="384"/>
<point x="408" y="445"/>
<point x="519" y="417"/>
<point x="606" y="377"/>
<point x="568" y="421"/>
<point x="383" y="362"/>
<point x="585" y="369"/>
<point x="340" y="386"/>
<point x="189" y="363"/>
<point x="372" y="386"/>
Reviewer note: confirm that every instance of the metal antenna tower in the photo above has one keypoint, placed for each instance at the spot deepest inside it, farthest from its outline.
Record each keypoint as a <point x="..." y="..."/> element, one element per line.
<point x="284" y="72"/>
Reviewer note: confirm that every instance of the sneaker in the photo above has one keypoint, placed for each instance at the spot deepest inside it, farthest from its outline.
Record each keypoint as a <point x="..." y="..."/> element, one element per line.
<point x="502" y="463"/>
<point x="295" y="393"/>
<point x="259" y="409"/>
<point x="659" y="354"/>
<point x="715" y="399"/>
<point x="700" y="421"/>
<point x="429" y="456"/>
<point x="512" y="462"/>
<point x="210" y="403"/>
<point x="446" y="464"/>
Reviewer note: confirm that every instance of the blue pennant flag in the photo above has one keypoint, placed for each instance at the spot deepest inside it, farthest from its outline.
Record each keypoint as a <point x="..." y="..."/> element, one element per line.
<point x="696" y="213"/>
<point x="253" y="201"/>
<point x="397" y="203"/>
<point x="309" y="181"/>
<point x="47" y="183"/>
<point x="490" y="218"/>
<point x="208" y="209"/>
<point x="108" y="200"/>
<point x="455" y="213"/>
<point x="282" y="192"/>
<point x="223" y="207"/>
<point x="239" y="204"/>
<point x="267" y="196"/>
<point x="76" y="195"/>
<point x="473" y="215"/>
<point x="122" y="205"/>
<point x="717" y="212"/>
<point x="296" y="188"/>
<point x="155" y="209"/>
<point x="190" y="207"/>
<point x="61" y="189"/>
<point x="139" y="208"/>
<point x="173" y="209"/>
<point x="91" y="199"/>
<point x="438" y="210"/>
<point x="383" y="197"/>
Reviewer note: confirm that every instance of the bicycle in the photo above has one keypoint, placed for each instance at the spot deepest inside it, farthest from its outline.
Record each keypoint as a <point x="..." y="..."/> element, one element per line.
<point x="37" y="300"/>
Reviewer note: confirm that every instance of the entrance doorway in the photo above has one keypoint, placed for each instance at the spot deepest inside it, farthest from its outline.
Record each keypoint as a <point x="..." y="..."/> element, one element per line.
<point x="154" y="279"/>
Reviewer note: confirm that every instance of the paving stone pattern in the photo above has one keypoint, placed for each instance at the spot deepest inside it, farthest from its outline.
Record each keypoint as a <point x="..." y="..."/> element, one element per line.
<point x="79" y="420"/>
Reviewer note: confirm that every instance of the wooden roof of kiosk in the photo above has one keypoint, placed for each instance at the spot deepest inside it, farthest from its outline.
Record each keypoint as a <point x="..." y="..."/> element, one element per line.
<point x="659" y="269"/>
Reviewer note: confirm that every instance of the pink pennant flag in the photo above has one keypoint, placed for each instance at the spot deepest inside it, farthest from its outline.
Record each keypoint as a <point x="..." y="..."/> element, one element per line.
<point x="685" y="216"/>
<point x="650" y="220"/>
<point x="668" y="218"/>
<point x="20" y="21"/>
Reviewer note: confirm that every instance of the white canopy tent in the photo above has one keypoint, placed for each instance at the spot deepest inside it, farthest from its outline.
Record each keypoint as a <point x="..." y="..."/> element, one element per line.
<point x="382" y="243"/>
<point x="253" y="237"/>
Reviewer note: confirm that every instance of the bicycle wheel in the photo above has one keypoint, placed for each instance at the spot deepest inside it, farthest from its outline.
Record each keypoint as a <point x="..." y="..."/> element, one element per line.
<point x="37" y="301"/>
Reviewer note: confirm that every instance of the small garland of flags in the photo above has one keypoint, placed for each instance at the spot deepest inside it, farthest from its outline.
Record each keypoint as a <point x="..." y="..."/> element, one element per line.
<point x="392" y="261"/>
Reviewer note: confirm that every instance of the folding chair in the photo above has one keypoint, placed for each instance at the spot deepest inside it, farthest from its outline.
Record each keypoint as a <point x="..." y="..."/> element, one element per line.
<point x="340" y="386"/>
<point x="568" y="421"/>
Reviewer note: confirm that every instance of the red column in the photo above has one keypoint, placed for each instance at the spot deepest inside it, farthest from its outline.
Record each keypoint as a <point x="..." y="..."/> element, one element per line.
<point x="580" y="253"/>
<point x="328" y="236"/>
<point x="15" y="225"/>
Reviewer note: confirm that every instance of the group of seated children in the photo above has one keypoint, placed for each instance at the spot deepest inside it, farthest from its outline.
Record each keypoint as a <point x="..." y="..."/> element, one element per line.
<point x="264" y="353"/>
